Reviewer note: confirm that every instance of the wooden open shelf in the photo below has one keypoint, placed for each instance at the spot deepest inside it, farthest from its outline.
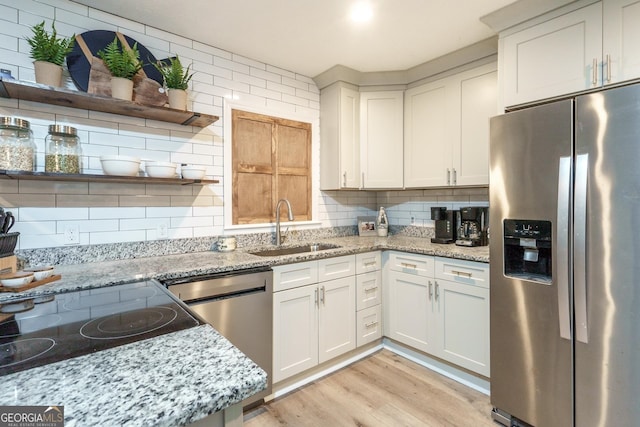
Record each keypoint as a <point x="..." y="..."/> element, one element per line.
<point x="48" y="176"/>
<point x="30" y="91"/>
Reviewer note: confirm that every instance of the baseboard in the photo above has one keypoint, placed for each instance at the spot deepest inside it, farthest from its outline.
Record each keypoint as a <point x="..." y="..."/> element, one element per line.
<point x="472" y="381"/>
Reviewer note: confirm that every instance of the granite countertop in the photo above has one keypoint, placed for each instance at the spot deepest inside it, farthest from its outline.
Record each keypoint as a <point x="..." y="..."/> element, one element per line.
<point x="108" y="273"/>
<point x="169" y="380"/>
<point x="179" y="377"/>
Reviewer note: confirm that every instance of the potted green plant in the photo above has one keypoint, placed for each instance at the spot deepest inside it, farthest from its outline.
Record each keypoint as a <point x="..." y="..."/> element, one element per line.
<point x="176" y="80"/>
<point x="123" y="64"/>
<point x="49" y="52"/>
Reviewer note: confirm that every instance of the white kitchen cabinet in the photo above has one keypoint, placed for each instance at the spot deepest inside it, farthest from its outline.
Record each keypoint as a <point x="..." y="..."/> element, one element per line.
<point x="368" y="297"/>
<point x="337" y="318"/>
<point x="315" y="322"/>
<point x="587" y="48"/>
<point x="462" y="310"/>
<point x="447" y="129"/>
<point x="381" y="139"/>
<point x="442" y="310"/>
<point x="340" y="133"/>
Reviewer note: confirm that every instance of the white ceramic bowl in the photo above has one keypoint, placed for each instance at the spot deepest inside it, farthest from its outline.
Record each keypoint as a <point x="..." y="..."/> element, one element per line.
<point x="15" y="280"/>
<point x="40" y="272"/>
<point x="160" y="169"/>
<point x="193" y="171"/>
<point x="120" y="165"/>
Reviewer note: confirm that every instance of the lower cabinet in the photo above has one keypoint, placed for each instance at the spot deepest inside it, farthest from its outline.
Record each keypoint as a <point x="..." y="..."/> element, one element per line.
<point x="313" y="323"/>
<point x="368" y="297"/>
<point x="441" y="308"/>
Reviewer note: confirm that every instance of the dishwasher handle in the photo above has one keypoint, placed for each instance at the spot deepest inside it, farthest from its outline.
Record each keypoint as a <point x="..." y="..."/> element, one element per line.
<point x="222" y="287"/>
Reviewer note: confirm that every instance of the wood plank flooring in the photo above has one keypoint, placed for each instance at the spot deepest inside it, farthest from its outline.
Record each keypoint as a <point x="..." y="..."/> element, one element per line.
<point x="381" y="390"/>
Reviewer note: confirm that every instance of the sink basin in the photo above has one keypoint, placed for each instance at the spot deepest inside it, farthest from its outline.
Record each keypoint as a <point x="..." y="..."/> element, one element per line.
<point x="290" y="250"/>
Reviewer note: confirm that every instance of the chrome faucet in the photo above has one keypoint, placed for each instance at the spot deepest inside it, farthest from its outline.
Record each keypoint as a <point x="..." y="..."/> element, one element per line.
<point x="278" y="236"/>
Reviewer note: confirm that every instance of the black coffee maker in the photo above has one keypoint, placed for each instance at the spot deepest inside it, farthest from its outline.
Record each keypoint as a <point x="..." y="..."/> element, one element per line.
<point x="446" y="223"/>
<point x="474" y="224"/>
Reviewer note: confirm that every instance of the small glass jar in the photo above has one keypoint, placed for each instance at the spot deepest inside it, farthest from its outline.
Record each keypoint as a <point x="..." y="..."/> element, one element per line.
<point x="63" y="152"/>
<point x="17" y="149"/>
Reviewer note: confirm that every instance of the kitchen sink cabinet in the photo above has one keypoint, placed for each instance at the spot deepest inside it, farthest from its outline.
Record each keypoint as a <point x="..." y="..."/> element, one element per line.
<point x="340" y="133"/>
<point x="442" y="310"/>
<point x="314" y="322"/>
<point x="577" y="50"/>
<point x="446" y="129"/>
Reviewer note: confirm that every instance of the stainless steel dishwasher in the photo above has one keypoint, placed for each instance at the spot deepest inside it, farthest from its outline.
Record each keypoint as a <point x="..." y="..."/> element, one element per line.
<point x="239" y="305"/>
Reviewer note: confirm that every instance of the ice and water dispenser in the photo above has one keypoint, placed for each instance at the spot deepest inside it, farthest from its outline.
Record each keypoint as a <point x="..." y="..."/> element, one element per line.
<point x="527" y="250"/>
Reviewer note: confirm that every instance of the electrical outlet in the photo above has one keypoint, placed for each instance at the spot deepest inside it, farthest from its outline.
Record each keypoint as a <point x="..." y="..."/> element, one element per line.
<point x="413" y="220"/>
<point x="162" y="230"/>
<point x="71" y="235"/>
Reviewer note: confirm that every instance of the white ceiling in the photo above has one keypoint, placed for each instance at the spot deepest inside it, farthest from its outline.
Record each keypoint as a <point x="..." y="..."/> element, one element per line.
<point x="311" y="36"/>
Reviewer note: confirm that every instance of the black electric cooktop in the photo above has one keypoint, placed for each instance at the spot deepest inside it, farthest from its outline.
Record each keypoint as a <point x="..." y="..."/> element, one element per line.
<point x="38" y="331"/>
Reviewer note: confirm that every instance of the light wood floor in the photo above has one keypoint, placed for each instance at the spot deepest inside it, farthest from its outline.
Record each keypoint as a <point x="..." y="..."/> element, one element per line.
<point x="382" y="390"/>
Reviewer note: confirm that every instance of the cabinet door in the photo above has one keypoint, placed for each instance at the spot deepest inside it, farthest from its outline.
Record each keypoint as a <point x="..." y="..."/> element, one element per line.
<point x="478" y="102"/>
<point x="554" y="58"/>
<point x="339" y="127"/>
<point x="295" y="331"/>
<point x="381" y="128"/>
<point x="410" y="318"/>
<point x="621" y="32"/>
<point x="427" y="156"/>
<point x="463" y="325"/>
<point x="337" y="317"/>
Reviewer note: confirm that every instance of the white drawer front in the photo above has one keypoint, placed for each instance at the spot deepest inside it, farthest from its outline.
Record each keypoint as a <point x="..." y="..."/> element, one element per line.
<point x="336" y="268"/>
<point x="369" y="289"/>
<point x="294" y="275"/>
<point x="370" y="261"/>
<point x="368" y="325"/>
<point x="421" y="265"/>
<point x="462" y="271"/>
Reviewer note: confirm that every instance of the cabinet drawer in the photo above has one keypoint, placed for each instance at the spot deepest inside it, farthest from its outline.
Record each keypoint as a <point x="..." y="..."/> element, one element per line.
<point x="336" y="268"/>
<point x="294" y="275"/>
<point x="421" y="265"/>
<point x="368" y="325"/>
<point x="461" y="271"/>
<point x="369" y="289"/>
<point x="370" y="261"/>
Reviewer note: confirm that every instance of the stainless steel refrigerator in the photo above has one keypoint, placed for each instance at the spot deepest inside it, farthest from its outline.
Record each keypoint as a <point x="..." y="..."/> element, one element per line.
<point x="565" y="262"/>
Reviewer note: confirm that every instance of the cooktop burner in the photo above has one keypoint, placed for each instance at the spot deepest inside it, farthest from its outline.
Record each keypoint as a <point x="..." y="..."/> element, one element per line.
<point x="77" y="323"/>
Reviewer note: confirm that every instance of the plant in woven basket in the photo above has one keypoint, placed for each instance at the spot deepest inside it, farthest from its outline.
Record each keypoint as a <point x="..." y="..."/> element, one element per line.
<point x="124" y="63"/>
<point x="174" y="74"/>
<point x="49" y="47"/>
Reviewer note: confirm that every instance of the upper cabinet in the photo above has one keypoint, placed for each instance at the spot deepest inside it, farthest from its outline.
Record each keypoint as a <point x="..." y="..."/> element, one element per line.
<point x="582" y="49"/>
<point x="381" y="123"/>
<point x="361" y="135"/>
<point x="446" y="129"/>
<point x="340" y="133"/>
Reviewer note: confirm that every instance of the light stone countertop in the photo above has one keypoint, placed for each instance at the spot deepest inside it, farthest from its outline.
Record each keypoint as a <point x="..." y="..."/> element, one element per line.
<point x="179" y="377"/>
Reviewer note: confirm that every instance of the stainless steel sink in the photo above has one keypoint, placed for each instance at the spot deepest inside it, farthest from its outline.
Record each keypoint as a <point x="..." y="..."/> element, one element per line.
<point x="290" y="250"/>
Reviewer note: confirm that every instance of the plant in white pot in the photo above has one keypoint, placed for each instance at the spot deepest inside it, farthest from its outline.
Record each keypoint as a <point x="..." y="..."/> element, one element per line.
<point x="123" y="64"/>
<point x="176" y="80"/>
<point x="48" y="52"/>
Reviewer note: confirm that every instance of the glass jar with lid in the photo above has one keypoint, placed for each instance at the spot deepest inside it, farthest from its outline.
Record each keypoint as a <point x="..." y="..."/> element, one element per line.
<point x="63" y="152"/>
<point x="17" y="149"/>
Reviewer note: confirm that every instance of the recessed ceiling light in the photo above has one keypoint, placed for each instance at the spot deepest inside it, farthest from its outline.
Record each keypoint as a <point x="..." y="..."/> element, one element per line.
<point x="361" y="12"/>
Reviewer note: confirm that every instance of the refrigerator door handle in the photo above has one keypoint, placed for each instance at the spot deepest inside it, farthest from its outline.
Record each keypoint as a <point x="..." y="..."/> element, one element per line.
<point x="580" y="249"/>
<point x="562" y="245"/>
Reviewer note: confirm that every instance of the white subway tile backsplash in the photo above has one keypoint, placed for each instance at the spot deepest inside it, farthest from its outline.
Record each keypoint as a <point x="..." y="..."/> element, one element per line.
<point x="50" y="214"/>
<point x="9" y="14"/>
<point x="212" y="50"/>
<point x="115" y="213"/>
<point x="163" y="35"/>
<point x="97" y="238"/>
<point x="231" y="65"/>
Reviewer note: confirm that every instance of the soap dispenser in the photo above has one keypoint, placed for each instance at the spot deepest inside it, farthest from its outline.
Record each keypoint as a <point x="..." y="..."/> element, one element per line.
<point x="382" y="223"/>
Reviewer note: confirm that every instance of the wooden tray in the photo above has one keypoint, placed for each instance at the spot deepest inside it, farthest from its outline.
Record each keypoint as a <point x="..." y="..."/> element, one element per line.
<point x="32" y="285"/>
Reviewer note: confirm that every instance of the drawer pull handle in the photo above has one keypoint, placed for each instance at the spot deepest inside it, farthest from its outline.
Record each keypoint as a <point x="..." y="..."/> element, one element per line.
<point x="461" y="273"/>
<point x="407" y="265"/>
<point x="430" y="290"/>
<point x="368" y="264"/>
<point x="370" y="324"/>
<point x="371" y="288"/>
